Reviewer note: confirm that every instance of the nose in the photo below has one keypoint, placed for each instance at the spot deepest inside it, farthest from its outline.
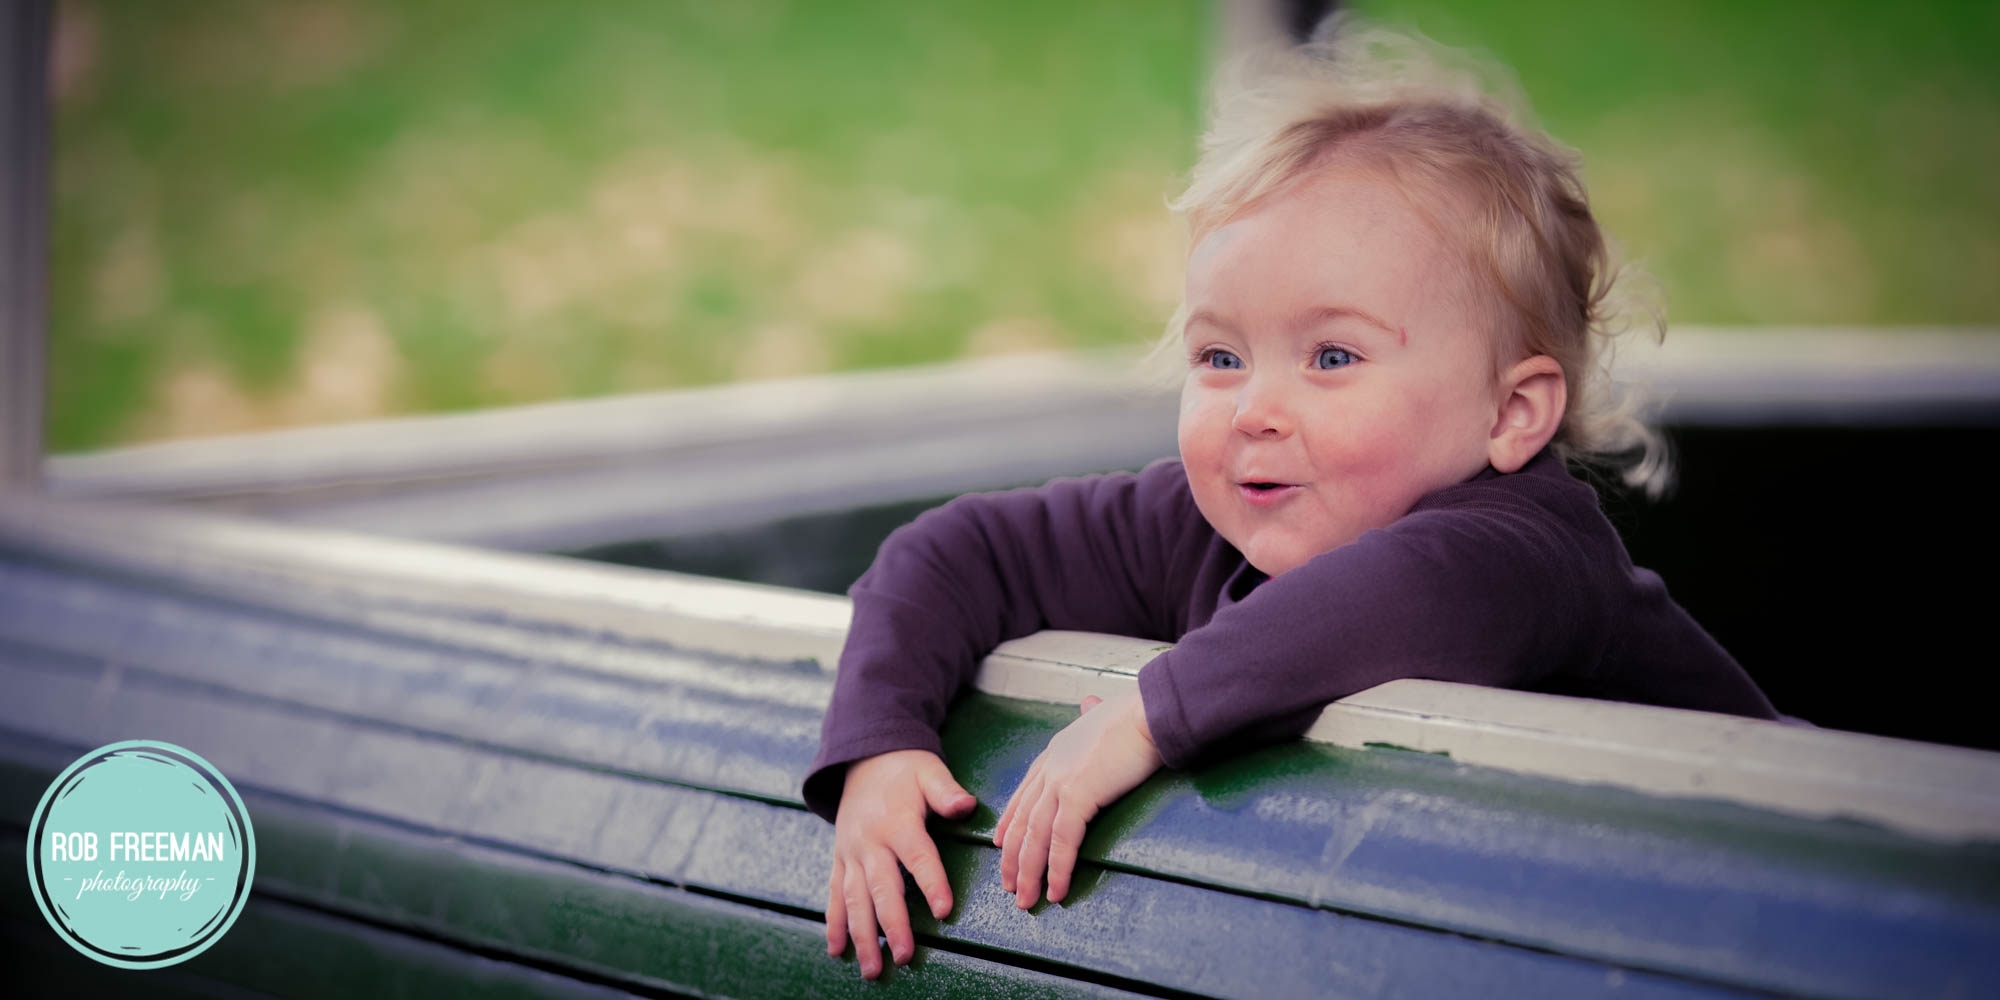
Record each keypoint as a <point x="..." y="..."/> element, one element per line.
<point x="1261" y="409"/>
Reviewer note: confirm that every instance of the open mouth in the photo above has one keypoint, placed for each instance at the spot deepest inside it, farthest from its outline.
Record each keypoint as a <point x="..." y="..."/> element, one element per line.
<point x="1262" y="493"/>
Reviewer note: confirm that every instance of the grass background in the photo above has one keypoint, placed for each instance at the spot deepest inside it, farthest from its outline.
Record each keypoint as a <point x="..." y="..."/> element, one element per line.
<point x="293" y="211"/>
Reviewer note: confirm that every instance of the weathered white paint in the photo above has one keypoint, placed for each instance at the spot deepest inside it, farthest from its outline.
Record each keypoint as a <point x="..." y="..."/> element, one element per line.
<point x="850" y="407"/>
<point x="261" y="562"/>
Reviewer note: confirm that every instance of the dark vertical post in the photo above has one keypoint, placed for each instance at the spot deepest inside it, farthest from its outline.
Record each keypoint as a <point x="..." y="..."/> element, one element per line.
<point x="1302" y="16"/>
<point x="24" y="216"/>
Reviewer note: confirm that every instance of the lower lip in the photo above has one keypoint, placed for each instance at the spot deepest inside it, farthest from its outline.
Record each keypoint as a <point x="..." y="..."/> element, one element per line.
<point x="1266" y="498"/>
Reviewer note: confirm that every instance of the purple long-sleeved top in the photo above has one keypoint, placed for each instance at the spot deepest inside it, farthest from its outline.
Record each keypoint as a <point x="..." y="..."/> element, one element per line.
<point x="1513" y="580"/>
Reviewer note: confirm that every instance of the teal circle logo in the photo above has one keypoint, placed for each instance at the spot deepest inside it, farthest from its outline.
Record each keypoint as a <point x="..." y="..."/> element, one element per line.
<point x="140" y="854"/>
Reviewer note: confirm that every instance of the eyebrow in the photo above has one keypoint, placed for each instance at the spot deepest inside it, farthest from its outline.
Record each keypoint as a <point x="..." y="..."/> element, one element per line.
<point x="1327" y="314"/>
<point x="1310" y="318"/>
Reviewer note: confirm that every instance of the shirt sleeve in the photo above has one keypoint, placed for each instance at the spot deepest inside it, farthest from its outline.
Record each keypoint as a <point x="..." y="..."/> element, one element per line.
<point x="1487" y="595"/>
<point x="1091" y="554"/>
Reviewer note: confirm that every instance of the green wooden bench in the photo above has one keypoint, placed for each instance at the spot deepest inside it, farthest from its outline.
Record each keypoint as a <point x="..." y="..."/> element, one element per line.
<point x="477" y="772"/>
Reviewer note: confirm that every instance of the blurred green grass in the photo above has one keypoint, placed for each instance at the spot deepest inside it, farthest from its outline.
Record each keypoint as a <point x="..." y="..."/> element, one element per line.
<point x="274" y="213"/>
<point x="1775" y="162"/>
<point x="283" y="212"/>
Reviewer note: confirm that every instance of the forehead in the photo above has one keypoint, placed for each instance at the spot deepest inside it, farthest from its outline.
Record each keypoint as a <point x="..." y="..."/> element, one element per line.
<point x="1340" y="236"/>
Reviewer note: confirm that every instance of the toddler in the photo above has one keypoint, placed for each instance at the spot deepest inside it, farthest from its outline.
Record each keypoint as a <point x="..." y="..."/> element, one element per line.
<point x="1394" y="324"/>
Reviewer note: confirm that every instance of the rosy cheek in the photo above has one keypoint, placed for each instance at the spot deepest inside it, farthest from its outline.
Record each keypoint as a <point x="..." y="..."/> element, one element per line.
<point x="1369" y="463"/>
<point x="1204" y="423"/>
<point x="1360" y="446"/>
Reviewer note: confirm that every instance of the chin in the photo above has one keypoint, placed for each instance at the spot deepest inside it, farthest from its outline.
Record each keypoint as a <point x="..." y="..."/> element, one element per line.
<point x="1275" y="563"/>
<point x="1277" y="556"/>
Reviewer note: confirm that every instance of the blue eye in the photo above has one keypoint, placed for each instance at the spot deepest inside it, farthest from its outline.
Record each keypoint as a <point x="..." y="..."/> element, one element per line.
<point x="1335" y="357"/>
<point x="1219" y="358"/>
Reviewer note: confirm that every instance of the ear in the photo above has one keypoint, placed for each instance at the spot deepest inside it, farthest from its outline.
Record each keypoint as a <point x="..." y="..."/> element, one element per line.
<point x="1533" y="395"/>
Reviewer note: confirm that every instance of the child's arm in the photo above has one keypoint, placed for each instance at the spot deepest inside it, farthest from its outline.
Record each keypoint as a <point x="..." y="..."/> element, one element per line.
<point x="1093" y="554"/>
<point x="1480" y="594"/>
<point x="1475" y="596"/>
<point x="1499" y="595"/>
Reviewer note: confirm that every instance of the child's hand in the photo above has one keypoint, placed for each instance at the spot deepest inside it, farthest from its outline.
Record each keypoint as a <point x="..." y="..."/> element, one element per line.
<point x="879" y="827"/>
<point x="1087" y="766"/>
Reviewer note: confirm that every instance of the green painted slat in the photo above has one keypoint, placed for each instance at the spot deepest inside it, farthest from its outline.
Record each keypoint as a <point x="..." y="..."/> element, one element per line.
<point x="614" y="821"/>
<point x="734" y="725"/>
<point x="1283" y="790"/>
<point x="556" y="758"/>
<point x="1702" y="889"/>
<point x="1179" y="936"/>
<point x="296" y="952"/>
<point x="276" y="949"/>
<point x="641" y="935"/>
<point x="623" y="822"/>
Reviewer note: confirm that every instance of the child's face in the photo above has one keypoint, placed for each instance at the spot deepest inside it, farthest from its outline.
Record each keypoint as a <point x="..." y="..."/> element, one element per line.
<point x="1293" y="382"/>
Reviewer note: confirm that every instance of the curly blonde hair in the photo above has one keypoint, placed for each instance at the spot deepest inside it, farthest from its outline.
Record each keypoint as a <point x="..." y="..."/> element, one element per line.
<point x="1450" y="133"/>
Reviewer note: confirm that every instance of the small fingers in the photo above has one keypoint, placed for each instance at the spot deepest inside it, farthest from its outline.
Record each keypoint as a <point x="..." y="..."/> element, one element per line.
<point x="885" y="889"/>
<point x="1010" y="847"/>
<point x="920" y="856"/>
<point x="861" y="921"/>
<point x="944" y="794"/>
<point x="836" y="912"/>
<point x="1065" y="840"/>
<point x="1013" y="809"/>
<point x="1034" y="852"/>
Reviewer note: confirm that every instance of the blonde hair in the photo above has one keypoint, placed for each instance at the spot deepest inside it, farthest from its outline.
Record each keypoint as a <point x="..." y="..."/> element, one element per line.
<point x="1449" y="133"/>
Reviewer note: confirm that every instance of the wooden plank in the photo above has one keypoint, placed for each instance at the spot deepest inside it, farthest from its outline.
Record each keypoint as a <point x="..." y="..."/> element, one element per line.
<point x="512" y="604"/>
<point x="736" y="725"/>
<point x="458" y="805"/>
<point x="567" y="476"/>
<point x="1708" y="890"/>
<point x="277" y="949"/>
<point x="396" y="584"/>
<point x="1952" y="793"/>
<point x="1122" y="939"/>
<point x="507" y="930"/>
<point x="572" y="475"/>
<point x="635" y="754"/>
<point x="1364" y="834"/>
